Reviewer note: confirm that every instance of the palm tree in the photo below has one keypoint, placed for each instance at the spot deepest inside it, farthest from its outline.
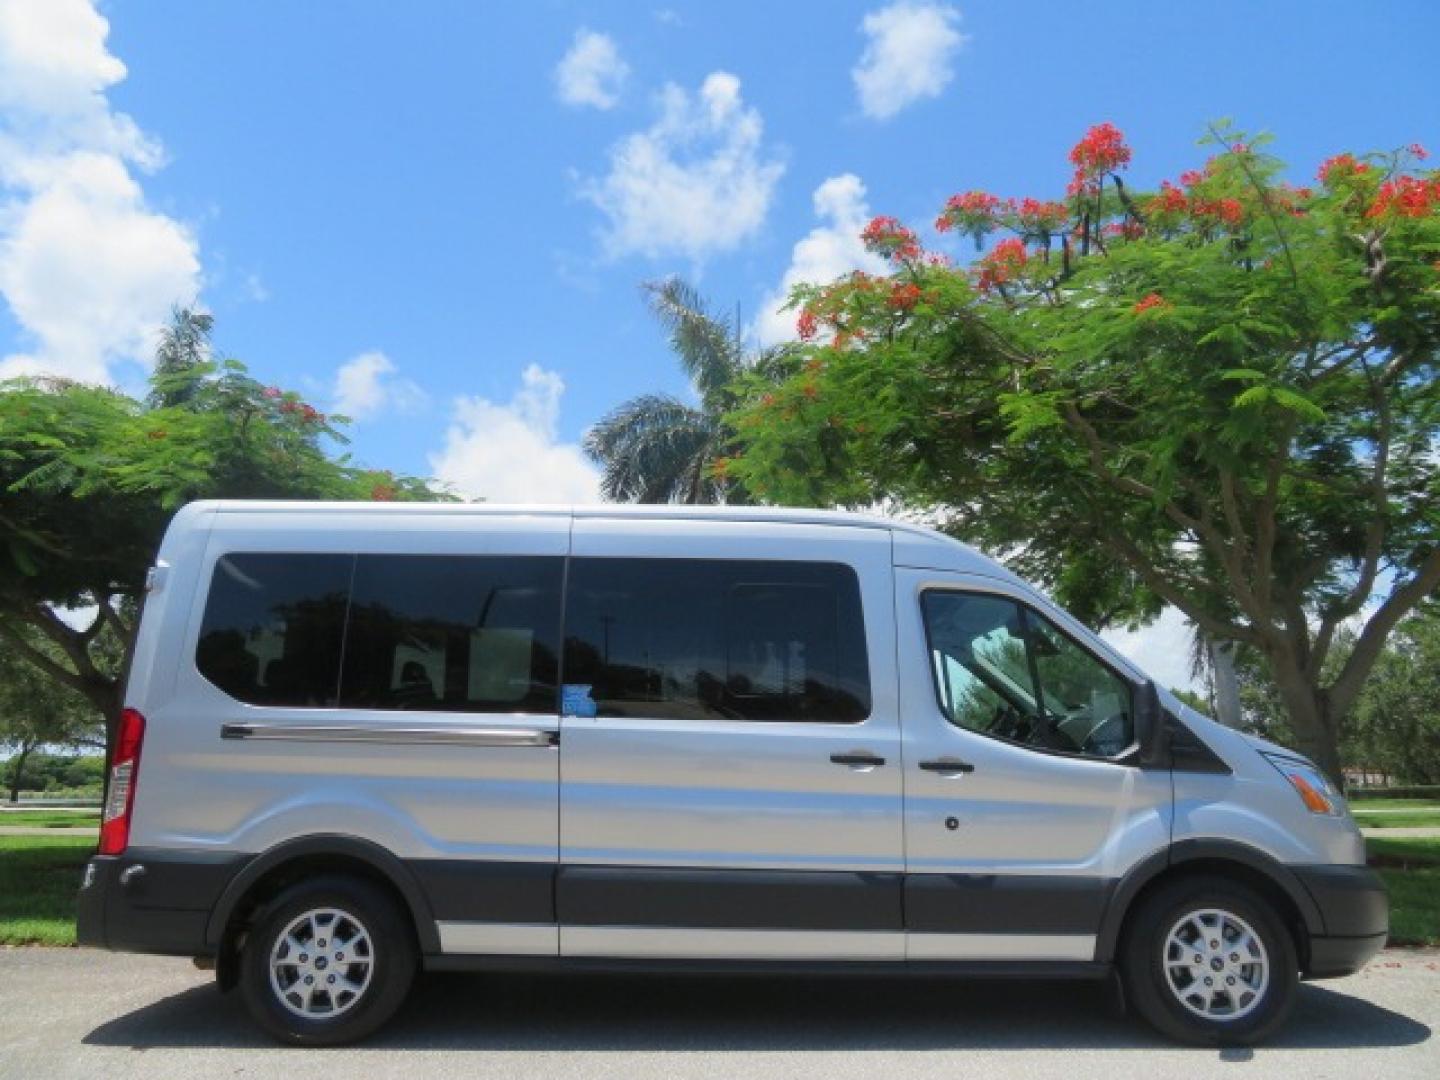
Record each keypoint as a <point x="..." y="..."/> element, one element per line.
<point x="656" y="448"/>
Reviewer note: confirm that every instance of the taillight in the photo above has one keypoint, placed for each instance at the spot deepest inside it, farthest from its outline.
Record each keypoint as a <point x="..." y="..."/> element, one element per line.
<point x="120" y="796"/>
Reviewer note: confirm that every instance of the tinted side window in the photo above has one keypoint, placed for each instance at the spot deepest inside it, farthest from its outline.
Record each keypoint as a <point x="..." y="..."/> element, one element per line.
<point x="273" y="627"/>
<point x="1003" y="670"/>
<point x="715" y="639"/>
<point x="453" y="633"/>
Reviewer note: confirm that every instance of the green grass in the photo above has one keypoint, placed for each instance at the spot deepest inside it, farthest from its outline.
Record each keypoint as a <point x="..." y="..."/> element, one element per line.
<point x="1404" y="820"/>
<point x="1404" y="851"/>
<point x="1411" y="869"/>
<point x="1358" y="806"/>
<point x="51" y="819"/>
<point x="39" y="876"/>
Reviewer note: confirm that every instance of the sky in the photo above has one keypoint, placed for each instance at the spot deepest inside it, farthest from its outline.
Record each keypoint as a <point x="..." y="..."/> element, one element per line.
<point x="435" y="217"/>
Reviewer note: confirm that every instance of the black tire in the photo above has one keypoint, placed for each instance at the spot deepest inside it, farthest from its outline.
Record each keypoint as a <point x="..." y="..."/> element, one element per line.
<point x="391" y="955"/>
<point x="1148" y="986"/>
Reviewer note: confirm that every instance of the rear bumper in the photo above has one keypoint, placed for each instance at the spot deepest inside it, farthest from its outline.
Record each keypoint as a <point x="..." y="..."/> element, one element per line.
<point x="151" y="902"/>
<point x="1355" y="909"/>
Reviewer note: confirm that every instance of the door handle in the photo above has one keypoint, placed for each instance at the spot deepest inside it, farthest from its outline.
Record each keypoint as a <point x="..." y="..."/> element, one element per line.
<point x="947" y="765"/>
<point x="858" y="760"/>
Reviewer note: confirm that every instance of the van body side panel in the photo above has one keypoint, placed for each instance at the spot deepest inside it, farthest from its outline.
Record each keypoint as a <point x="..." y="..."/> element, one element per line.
<point x="1026" y="843"/>
<point x="675" y="830"/>
<point x="468" y="800"/>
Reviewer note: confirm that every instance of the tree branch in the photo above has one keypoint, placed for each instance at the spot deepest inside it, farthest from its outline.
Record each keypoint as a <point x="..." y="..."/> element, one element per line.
<point x="49" y="665"/>
<point x="1162" y="587"/>
<point x="1375" y="530"/>
<point x="1202" y="528"/>
<point x="72" y="642"/>
<point x="1343" y="691"/>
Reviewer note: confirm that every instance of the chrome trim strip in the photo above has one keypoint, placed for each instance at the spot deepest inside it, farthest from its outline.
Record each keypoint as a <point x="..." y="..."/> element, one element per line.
<point x="499" y="939"/>
<point x="677" y="943"/>
<point x="920" y="946"/>
<point x="429" y="736"/>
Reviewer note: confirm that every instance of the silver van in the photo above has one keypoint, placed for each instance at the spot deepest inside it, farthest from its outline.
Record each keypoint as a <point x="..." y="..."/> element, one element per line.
<point x="364" y="740"/>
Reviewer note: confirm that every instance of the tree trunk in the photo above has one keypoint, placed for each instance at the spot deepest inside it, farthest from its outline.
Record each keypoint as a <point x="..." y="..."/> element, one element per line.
<point x="1307" y="707"/>
<point x="1223" y="679"/>
<point x="17" y="770"/>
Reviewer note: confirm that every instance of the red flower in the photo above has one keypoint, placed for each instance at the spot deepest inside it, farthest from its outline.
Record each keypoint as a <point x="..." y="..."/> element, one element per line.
<point x="1229" y="211"/>
<point x="1151" y="302"/>
<point x="1005" y="260"/>
<point x="1340" y="167"/>
<point x="1040" y="217"/>
<point x="1405" y="196"/>
<point x="972" y="210"/>
<point x="1191" y="177"/>
<point x="1101" y="151"/>
<point x="806" y="325"/>
<point x="1417" y="151"/>
<point x="887" y="237"/>
<point x="1171" y="199"/>
<point x="904" y="295"/>
<point x="382" y="493"/>
<point x="271" y="392"/>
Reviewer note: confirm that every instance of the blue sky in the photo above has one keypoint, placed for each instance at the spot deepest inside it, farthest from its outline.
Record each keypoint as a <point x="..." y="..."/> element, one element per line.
<point x="426" y="212"/>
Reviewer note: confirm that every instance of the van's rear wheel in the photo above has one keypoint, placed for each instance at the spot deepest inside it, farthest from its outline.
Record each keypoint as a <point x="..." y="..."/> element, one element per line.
<point x="327" y="961"/>
<point x="1207" y="960"/>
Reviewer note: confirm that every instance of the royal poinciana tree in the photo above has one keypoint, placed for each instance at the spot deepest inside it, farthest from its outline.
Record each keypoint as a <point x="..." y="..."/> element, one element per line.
<point x="1218" y="395"/>
<point x="89" y="478"/>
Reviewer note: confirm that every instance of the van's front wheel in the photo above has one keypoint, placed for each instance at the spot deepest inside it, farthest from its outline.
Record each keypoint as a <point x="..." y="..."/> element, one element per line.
<point x="327" y="962"/>
<point x="1207" y="960"/>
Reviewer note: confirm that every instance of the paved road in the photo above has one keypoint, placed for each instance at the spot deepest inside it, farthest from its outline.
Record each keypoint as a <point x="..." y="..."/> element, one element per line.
<point x="73" y="1013"/>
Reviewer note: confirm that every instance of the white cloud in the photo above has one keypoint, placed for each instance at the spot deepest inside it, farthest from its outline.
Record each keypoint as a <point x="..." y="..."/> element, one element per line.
<point x="255" y="289"/>
<point x="367" y="384"/>
<point x="831" y="249"/>
<point x="509" y="453"/>
<point x="592" y="72"/>
<point x="88" y="269"/>
<point x="1161" y="650"/>
<point x="908" y="56"/>
<point x="694" y="183"/>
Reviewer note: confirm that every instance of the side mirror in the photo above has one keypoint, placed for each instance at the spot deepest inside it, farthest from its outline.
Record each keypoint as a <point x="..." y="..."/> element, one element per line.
<point x="1150" y="730"/>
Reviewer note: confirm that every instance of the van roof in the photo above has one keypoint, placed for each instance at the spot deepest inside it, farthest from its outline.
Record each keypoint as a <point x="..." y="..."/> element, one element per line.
<point x="915" y="545"/>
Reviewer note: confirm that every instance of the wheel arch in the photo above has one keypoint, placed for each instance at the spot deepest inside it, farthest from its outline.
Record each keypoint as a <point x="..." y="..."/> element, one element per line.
<point x="1225" y="858"/>
<point x="325" y="853"/>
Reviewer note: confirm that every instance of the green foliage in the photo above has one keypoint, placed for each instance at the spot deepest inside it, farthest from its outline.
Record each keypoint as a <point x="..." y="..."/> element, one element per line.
<point x="656" y="448"/>
<point x="1198" y="702"/>
<point x="36" y="711"/>
<point x="89" y="478"/>
<point x="68" y="773"/>
<point x="1220" y="396"/>
<point x="1395" y="726"/>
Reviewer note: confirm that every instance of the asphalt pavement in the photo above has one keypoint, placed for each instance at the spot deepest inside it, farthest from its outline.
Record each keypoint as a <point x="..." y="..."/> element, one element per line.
<point x="83" y="1014"/>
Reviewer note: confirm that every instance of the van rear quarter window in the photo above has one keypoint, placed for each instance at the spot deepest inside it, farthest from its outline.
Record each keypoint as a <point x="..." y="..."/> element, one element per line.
<point x="273" y="627"/>
<point x="711" y="639"/>
<point x="453" y="633"/>
<point x="388" y="632"/>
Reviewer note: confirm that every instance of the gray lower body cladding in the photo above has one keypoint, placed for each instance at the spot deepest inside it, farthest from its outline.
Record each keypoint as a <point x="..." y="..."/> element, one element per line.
<point x="163" y="902"/>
